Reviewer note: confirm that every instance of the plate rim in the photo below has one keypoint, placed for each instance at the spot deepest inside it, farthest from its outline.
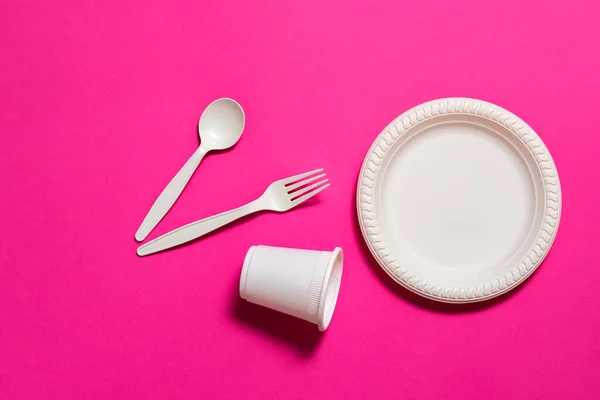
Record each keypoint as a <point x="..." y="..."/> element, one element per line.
<point x="365" y="204"/>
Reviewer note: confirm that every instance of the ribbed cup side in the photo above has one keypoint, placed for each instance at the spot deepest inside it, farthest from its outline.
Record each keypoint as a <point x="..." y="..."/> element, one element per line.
<point x="315" y="286"/>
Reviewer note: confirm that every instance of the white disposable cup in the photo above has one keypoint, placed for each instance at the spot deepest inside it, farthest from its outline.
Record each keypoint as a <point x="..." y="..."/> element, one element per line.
<point x="301" y="283"/>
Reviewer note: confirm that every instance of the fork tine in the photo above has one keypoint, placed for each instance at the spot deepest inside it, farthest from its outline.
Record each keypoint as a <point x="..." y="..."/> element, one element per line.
<point x="304" y="182"/>
<point x="307" y="189"/>
<point x="291" y="179"/>
<point x="309" y="195"/>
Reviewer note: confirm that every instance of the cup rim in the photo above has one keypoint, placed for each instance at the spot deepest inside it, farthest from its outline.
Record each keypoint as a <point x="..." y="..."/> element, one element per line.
<point x="326" y="310"/>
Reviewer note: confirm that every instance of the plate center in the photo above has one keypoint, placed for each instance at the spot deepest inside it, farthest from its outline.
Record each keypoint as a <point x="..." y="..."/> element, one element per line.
<point x="457" y="197"/>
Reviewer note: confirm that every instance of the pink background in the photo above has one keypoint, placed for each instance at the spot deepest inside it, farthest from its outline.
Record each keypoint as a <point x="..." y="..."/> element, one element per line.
<point x="98" y="110"/>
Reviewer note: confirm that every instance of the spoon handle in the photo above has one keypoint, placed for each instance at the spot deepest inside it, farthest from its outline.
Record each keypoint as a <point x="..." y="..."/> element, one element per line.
<point x="169" y="195"/>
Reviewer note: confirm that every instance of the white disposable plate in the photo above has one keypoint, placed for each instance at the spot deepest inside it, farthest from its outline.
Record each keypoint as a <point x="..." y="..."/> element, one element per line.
<point x="458" y="200"/>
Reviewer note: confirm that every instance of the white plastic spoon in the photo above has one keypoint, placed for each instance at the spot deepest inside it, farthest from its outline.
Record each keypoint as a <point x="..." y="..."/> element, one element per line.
<point x="220" y="127"/>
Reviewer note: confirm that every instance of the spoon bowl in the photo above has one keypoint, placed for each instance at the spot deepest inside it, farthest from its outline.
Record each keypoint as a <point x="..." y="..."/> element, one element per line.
<point x="221" y="124"/>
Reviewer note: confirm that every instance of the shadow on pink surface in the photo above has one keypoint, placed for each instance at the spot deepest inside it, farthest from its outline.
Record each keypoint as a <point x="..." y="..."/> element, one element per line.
<point x="292" y="332"/>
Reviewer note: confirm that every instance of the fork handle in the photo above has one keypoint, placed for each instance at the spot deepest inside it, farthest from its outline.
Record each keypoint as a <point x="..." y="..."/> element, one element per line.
<point x="195" y="230"/>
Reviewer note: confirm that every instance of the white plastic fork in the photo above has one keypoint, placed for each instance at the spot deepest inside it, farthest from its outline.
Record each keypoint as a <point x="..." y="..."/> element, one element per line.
<point x="280" y="196"/>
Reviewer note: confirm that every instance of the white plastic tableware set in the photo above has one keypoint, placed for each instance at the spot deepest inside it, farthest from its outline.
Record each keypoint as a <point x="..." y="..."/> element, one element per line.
<point x="302" y="283"/>
<point x="458" y="200"/>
